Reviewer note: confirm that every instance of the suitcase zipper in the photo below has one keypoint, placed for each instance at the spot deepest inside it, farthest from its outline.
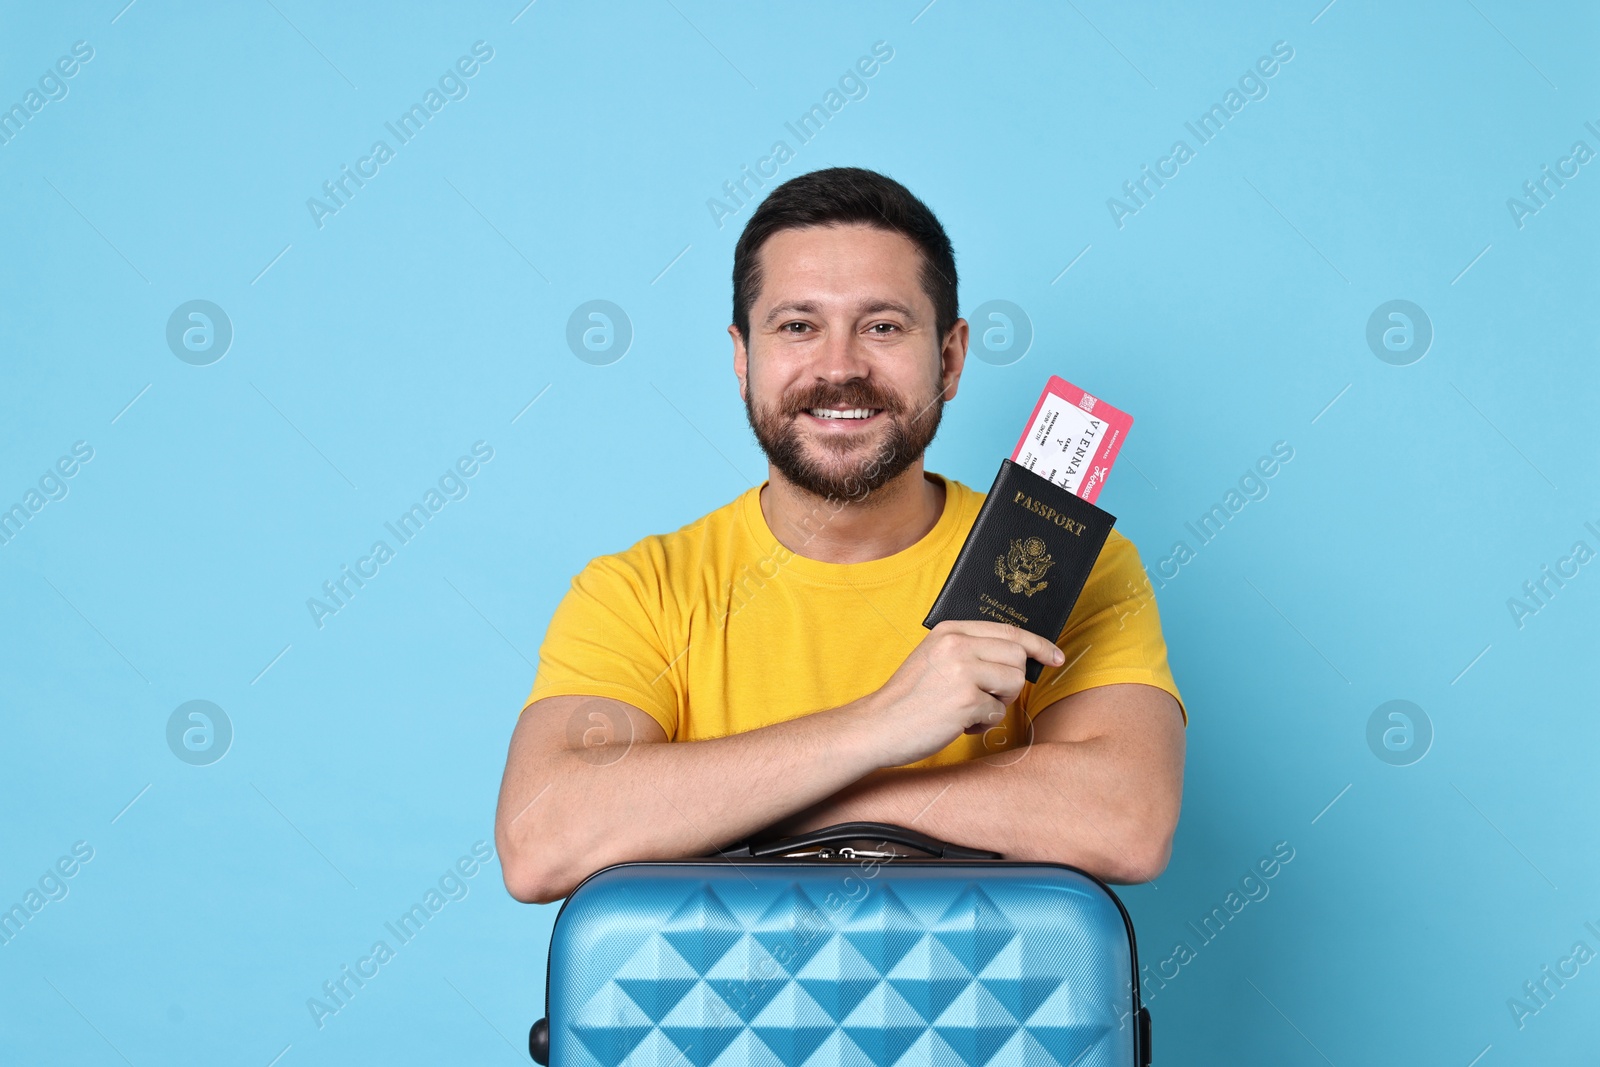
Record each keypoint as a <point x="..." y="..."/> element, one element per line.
<point x="844" y="852"/>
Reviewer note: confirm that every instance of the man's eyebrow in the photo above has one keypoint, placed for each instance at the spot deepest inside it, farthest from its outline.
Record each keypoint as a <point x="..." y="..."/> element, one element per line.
<point x="804" y="307"/>
<point x="889" y="305"/>
<point x="808" y="307"/>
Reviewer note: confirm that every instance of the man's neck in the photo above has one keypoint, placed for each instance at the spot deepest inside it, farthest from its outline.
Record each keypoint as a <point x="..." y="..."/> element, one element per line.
<point x="892" y="518"/>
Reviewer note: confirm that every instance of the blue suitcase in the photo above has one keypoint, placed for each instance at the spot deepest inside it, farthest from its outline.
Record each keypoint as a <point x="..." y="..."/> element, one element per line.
<point x="834" y="949"/>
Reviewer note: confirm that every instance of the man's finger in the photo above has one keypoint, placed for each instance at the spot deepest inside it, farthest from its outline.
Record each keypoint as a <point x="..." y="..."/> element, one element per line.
<point x="999" y="650"/>
<point x="1036" y="647"/>
<point x="1045" y="652"/>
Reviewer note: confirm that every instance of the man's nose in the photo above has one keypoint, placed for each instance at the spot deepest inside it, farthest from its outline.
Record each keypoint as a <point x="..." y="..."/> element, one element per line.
<point x="842" y="358"/>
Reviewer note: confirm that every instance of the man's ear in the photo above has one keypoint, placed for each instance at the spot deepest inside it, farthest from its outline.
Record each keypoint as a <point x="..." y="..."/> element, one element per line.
<point x="953" y="357"/>
<point x="741" y="359"/>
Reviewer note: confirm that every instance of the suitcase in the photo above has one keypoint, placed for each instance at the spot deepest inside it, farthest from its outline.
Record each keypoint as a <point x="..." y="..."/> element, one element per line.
<point x="857" y="945"/>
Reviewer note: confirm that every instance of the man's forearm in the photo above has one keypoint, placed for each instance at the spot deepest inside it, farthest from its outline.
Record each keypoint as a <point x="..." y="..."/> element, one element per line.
<point x="1066" y="802"/>
<point x="567" y="814"/>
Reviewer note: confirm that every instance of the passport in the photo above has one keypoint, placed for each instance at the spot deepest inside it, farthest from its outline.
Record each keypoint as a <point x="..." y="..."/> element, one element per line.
<point x="1026" y="558"/>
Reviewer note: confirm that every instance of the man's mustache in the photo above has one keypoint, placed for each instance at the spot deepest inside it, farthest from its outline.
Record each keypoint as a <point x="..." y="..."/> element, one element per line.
<point x="848" y="399"/>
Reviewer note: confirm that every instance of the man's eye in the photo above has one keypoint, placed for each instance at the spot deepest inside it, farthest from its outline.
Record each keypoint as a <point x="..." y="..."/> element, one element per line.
<point x="883" y="327"/>
<point x="798" y="327"/>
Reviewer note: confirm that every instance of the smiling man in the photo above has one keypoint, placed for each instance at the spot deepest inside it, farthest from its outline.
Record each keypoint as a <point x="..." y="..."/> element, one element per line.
<point x="766" y="667"/>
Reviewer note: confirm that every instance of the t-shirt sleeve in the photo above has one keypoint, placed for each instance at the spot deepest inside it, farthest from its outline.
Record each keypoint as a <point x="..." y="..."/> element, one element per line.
<point x="1113" y="634"/>
<point x="606" y="640"/>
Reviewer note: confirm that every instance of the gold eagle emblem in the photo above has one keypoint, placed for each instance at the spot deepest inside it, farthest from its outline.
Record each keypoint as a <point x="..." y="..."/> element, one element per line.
<point x="1023" y="565"/>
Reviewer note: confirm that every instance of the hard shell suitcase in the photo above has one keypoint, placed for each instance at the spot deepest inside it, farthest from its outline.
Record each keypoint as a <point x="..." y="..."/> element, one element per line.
<point x="838" y="948"/>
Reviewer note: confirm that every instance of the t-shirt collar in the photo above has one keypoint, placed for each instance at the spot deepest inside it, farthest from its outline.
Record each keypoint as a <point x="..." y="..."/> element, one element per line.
<point x="929" y="548"/>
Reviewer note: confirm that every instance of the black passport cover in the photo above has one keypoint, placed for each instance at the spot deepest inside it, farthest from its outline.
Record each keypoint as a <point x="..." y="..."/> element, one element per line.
<point x="1026" y="557"/>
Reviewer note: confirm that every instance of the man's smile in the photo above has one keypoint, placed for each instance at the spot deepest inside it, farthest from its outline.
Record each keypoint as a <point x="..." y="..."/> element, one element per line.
<point x="835" y="420"/>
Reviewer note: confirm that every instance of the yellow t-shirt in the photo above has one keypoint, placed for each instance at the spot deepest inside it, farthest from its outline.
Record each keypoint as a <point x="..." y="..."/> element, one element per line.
<point x="717" y="628"/>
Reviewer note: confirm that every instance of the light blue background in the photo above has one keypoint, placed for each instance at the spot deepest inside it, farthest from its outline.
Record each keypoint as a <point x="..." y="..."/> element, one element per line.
<point x="1227" y="315"/>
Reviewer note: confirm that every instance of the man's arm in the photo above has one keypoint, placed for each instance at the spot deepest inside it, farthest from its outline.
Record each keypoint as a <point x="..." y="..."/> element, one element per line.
<point x="1099" y="788"/>
<point x="591" y="781"/>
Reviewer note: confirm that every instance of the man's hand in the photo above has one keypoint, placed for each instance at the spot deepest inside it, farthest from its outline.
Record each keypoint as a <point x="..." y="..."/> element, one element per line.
<point x="959" y="679"/>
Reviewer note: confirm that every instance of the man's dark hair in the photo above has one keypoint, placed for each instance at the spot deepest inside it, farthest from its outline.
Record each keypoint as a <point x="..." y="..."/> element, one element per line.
<point x="841" y="195"/>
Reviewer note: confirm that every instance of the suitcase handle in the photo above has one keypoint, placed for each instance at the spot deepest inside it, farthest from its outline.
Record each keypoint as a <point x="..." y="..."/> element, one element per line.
<point x="838" y="833"/>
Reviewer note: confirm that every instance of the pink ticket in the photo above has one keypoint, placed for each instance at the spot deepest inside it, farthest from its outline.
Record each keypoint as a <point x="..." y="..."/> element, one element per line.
<point x="1072" y="439"/>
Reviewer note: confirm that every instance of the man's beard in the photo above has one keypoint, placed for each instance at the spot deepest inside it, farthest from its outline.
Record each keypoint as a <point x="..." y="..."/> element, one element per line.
<point x="909" y="431"/>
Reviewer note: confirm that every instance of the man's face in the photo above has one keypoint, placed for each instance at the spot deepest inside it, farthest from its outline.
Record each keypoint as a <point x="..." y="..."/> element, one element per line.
<point x="845" y="377"/>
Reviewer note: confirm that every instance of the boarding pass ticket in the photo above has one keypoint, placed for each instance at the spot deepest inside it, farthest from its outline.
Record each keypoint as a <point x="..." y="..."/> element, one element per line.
<point x="1072" y="439"/>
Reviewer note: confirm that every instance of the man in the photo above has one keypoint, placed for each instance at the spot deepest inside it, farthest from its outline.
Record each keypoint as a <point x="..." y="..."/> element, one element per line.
<point x="765" y="667"/>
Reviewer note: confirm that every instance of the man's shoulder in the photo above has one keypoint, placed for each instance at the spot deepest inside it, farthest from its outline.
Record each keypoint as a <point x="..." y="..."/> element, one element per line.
<point x="656" y="555"/>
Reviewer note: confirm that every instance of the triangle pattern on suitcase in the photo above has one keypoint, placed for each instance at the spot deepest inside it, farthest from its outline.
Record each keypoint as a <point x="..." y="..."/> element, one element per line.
<point x="1026" y="1050"/>
<point x="974" y="928"/>
<point x="883" y="929"/>
<point x="884" y="1025"/>
<point x="839" y="1051"/>
<point x="930" y="977"/>
<point x="738" y="975"/>
<point x="1066" y="1026"/>
<point x="793" y="1025"/>
<point x="838" y="977"/>
<point x="610" y="1025"/>
<point x="657" y="1050"/>
<point x="932" y="1050"/>
<point x="747" y="978"/>
<point x="747" y="1050"/>
<point x="794" y="928"/>
<point x="656" y="977"/>
<point x="702" y="928"/>
<point x="702" y="1025"/>
<point x="976" y="1025"/>
<point x="1020" y="978"/>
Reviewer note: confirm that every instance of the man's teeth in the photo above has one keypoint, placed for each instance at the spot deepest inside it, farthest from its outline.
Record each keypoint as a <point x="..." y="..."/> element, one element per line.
<point x="851" y="413"/>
